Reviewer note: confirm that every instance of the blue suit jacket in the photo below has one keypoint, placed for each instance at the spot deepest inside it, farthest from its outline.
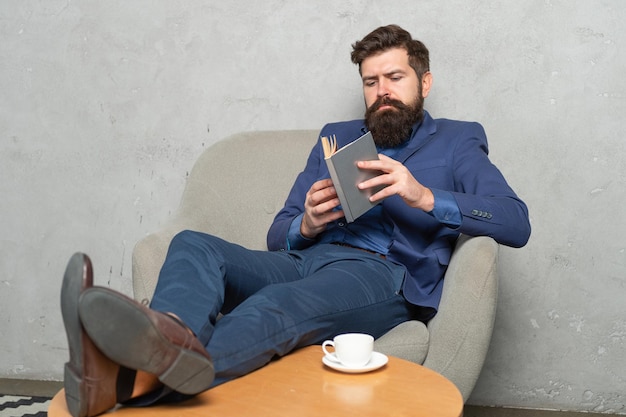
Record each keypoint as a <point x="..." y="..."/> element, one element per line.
<point x="442" y="154"/>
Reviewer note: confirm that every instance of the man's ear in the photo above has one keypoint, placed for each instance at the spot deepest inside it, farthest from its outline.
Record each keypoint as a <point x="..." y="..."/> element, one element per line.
<point x="427" y="82"/>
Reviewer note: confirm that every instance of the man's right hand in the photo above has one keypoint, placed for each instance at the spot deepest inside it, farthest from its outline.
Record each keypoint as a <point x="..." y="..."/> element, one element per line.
<point x="319" y="205"/>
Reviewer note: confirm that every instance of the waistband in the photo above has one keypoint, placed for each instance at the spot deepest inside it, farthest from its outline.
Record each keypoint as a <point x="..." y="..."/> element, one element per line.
<point x="346" y="245"/>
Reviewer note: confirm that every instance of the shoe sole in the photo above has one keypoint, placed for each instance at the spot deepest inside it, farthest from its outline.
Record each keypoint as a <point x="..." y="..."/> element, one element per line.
<point x="138" y="344"/>
<point x="76" y="394"/>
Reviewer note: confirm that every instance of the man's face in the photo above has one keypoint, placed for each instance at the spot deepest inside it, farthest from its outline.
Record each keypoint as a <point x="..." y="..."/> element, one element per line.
<point x="392" y="95"/>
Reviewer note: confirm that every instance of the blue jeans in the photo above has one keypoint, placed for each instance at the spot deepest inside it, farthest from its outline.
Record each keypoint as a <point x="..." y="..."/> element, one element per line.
<point x="274" y="302"/>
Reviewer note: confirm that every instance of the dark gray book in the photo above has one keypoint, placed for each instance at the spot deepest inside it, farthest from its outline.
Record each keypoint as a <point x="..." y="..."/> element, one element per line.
<point x="346" y="175"/>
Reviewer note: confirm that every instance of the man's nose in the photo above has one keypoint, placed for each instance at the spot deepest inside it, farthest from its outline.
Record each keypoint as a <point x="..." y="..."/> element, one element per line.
<point x="382" y="89"/>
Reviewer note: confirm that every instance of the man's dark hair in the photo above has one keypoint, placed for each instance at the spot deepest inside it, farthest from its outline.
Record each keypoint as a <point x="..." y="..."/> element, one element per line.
<point x="388" y="37"/>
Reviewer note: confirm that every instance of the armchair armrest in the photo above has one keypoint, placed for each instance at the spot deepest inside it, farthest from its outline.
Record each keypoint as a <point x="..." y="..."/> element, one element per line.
<point x="461" y="331"/>
<point x="148" y="256"/>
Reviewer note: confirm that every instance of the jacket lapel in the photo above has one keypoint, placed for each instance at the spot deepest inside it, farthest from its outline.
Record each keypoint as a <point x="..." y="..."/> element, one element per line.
<point x="422" y="134"/>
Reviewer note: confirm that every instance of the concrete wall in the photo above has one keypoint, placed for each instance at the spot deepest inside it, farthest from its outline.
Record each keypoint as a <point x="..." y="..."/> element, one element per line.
<point x="104" y="106"/>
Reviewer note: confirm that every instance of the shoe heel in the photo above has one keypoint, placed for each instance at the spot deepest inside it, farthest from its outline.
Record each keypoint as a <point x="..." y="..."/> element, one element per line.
<point x="189" y="374"/>
<point x="75" y="393"/>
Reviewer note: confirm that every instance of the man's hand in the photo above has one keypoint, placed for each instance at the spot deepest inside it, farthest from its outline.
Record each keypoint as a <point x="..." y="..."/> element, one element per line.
<point x="320" y="201"/>
<point x="398" y="180"/>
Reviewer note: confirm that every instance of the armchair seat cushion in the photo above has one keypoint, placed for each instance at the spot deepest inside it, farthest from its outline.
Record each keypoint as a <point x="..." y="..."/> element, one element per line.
<point x="408" y="340"/>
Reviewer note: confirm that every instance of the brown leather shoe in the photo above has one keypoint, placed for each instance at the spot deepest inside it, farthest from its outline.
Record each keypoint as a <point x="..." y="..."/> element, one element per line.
<point x="140" y="338"/>
<point x="93" y="383"/>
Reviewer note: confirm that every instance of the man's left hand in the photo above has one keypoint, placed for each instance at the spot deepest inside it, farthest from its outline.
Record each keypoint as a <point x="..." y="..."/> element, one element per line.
<point x="398" y="181"/>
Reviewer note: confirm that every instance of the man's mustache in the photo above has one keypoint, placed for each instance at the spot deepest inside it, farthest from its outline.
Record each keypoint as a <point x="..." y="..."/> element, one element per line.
<point x="386" y="101"/>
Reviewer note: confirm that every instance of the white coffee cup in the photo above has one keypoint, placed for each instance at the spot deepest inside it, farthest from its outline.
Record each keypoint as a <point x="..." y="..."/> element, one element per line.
<point x="352" y="350"/>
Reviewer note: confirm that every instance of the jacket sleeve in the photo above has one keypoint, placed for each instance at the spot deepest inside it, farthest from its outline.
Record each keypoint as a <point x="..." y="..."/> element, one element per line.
<point x="488" y="205"/>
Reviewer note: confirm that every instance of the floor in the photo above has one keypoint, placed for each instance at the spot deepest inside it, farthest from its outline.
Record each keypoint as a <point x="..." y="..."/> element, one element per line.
<point x="25" y="398"/>
<point x="474" y="411"/>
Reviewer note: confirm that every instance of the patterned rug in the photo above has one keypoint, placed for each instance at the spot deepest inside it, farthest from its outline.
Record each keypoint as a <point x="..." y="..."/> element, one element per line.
<point x="19" y="406"/>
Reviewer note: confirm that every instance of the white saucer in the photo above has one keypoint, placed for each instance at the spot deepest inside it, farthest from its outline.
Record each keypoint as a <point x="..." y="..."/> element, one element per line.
<point x="378" y="360"/>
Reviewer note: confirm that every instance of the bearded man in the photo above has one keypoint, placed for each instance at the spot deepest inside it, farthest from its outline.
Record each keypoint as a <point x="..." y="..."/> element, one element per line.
<point x="321" y="276"/>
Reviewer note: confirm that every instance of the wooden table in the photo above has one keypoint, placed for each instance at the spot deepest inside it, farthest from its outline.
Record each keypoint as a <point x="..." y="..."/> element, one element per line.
<point x="300" y="385"/>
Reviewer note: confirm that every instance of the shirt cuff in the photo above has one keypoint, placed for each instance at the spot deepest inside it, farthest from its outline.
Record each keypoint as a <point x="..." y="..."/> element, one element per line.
<point x="446" y="209"/>
<point x="294" y="239"/>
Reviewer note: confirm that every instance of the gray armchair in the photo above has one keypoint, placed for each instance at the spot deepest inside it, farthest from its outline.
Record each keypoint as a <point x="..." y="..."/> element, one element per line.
<point x="234" y="191"/>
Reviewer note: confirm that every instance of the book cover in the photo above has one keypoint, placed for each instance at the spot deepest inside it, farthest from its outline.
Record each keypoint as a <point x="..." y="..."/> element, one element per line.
<point x="346" y="175"/>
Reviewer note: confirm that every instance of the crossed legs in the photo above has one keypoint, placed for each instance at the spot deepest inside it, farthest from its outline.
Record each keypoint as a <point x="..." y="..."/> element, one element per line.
<point x="274" y="302"/>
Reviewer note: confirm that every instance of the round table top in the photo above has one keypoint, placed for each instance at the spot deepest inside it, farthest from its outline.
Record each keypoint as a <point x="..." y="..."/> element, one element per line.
<point x="299" y="384"/>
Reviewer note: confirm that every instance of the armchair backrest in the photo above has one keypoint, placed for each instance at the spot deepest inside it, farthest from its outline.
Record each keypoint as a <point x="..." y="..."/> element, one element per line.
<point x="238" y="185"/>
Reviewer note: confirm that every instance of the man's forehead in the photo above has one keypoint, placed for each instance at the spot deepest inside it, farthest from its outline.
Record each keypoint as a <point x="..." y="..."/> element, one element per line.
<point x="385" y="62"/>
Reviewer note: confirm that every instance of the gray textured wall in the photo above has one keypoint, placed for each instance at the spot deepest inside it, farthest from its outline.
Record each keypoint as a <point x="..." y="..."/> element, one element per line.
<point x="104" y="106"/>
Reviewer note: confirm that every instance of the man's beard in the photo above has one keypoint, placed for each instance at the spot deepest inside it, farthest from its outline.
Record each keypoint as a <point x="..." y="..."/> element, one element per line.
<point x="392" y="127"/>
